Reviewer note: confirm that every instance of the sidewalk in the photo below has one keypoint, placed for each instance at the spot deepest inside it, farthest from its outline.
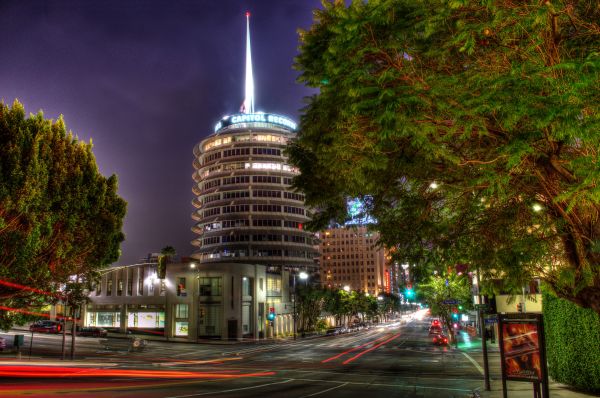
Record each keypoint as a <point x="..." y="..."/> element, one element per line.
<point x="518" y="389"/>
<point x="515" y="389"/>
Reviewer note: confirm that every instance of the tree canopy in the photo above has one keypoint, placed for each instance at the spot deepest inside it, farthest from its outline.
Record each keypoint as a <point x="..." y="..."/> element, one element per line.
<point x="470" y="128"/>
<point x="58" y="215"/>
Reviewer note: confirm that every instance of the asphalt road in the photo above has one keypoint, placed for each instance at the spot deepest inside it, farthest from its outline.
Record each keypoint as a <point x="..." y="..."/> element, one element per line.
<point x="394" y="361"/>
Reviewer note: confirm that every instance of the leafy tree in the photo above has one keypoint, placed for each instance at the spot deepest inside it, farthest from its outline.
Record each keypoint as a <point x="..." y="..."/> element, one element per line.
<point x="58" y="215"/>
<point x="310" y="302"/>
<point x="441" y="288"/>
<point x="470" y="129"/>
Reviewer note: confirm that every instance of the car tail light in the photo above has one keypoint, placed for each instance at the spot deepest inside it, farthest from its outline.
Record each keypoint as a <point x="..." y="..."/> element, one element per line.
<point x="445" y="340"/>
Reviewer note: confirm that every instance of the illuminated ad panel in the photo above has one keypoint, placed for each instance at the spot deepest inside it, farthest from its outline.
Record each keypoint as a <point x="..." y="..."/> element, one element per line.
<point x="357" y="213"/>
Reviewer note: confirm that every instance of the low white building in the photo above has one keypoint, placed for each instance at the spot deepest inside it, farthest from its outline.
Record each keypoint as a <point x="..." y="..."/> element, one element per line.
<point x="193" y="301"/>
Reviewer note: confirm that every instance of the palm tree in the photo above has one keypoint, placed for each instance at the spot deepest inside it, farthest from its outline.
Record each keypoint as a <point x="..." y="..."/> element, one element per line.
<point x="166" y="254"/>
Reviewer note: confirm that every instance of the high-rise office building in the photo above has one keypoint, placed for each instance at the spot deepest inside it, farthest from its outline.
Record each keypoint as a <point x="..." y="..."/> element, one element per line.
<point x="246" y="210"/>
<point x="350" y="257"/>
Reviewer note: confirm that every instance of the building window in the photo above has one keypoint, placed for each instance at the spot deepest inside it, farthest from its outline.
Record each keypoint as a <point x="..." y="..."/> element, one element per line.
<point x="163" y="287"/>
<point x="210" y="286"/>
<point x="235" y="223"/>
<point x="273" y="286"/>
<point x="141" y="282"/>
<point x="181" y="311"/>
<point x="99" y="288"/>
<point x="109" y="287"/>
<point x="181" y="291"/>
<point x="246" y="287"/>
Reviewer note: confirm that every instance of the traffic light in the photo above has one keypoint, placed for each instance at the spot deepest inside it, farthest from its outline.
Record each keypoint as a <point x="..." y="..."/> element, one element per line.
<point x="454" y="315"/>
<point x="409" y="292"/>
<point x="271" y="314"/>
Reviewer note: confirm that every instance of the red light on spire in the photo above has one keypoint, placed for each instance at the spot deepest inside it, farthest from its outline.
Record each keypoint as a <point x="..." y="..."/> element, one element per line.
<point x="247" y="13"/>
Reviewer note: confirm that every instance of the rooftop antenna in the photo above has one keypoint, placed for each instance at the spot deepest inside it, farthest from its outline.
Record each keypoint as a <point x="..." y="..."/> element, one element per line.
<point x="248" y="105"/>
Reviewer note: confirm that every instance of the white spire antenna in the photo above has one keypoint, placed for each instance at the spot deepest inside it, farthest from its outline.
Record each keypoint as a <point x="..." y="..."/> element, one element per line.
<point x="248" y="106"/>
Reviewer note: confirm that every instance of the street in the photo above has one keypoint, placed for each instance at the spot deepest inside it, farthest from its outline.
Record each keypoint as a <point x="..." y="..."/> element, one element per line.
<point x="379" y="362"/>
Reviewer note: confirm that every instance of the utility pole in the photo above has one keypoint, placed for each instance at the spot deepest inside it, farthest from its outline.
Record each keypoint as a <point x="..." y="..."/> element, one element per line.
<point x="294" y="307"/>
<point x="74" y="330"/>
<point x="64" y="331"/>
<point x="486" y="367"/>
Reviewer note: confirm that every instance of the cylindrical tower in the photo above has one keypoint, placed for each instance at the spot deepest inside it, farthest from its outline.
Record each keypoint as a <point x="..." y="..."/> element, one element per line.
<point x="246" y="210"/>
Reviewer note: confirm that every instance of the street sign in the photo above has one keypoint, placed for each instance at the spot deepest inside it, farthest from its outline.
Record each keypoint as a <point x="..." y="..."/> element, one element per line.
<point x="451" y="301"/>
<point x="489" y="321"/>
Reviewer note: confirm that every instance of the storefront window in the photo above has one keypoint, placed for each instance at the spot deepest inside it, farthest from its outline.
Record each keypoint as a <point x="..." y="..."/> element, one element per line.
<point x="181" y="328"/>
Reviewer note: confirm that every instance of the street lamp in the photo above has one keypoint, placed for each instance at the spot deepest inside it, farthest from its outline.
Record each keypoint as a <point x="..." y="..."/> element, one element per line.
<point x="196" y="299"/>
<point x="347" y="288"/>
<point x="304" y="276"/>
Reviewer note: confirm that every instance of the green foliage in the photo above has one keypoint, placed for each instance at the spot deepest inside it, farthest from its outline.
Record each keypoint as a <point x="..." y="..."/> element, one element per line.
<point x="59" y="215"/>
<point x="439" y="288"/>
<point x="572" y="336"/>
<point x="498" y="104"/>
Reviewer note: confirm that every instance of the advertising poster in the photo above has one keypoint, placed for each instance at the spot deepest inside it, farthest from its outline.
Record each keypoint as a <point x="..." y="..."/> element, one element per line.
<point x="521" y="349"/>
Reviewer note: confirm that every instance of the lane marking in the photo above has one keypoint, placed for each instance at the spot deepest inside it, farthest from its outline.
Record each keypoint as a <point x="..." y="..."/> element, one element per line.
<point x="231" y="390"/>
<point x="324" y="391"/>
<point x="474" y="362"/>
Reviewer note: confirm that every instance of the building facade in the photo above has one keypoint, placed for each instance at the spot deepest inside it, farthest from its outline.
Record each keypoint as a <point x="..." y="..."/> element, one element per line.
<point x="224" y="301"/>
<point x="349" y="256"/>
<point x="246" y="210"/>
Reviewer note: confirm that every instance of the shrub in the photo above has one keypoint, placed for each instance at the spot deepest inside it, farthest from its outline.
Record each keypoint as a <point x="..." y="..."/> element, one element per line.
<point x="572" y="343"/>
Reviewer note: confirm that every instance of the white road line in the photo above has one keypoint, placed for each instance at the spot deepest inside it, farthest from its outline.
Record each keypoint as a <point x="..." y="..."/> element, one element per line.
<point x="324" y="391"/>
<point x="474" y="362"/>
<point x="232" y="390"/>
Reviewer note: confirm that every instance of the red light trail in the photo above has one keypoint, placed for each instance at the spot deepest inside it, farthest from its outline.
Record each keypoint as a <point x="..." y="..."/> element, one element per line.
<point x="354" y="349"/>
<point x="76" y="372"/>
<point x="370" y="349"/>
<point x="31" y="289"/>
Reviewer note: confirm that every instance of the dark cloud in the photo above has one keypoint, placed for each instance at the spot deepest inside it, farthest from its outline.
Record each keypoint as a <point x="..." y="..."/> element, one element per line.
<point x="146" y="80"/>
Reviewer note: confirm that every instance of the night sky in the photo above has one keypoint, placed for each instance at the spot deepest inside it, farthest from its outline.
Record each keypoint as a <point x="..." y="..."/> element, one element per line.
<point x="147" y="80"/>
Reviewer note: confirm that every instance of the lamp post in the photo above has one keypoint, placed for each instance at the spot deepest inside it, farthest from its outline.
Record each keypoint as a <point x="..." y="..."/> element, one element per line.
<point x="303" y="275"/>
<point x="196" y="299"/>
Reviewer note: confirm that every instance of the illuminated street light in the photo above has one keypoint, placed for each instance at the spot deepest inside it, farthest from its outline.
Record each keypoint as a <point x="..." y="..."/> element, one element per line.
<point x="433" y="185"/>
<point x="192" y="265"/>
<point x="537" y="207"/>
<point x="347" y="288"/>
<point x="303" y="276"/>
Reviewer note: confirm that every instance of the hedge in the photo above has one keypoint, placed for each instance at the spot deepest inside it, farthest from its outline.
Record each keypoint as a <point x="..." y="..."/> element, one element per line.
<point x="572" y="343"/>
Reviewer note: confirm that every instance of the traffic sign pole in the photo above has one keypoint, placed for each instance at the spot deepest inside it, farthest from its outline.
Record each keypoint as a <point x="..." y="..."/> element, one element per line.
<point x="486" y="367"/>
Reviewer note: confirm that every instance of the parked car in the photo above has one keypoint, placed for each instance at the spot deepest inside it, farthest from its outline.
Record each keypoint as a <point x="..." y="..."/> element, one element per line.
<point x="333" y="331"/>
<point x="46" y="327"/>
<point x="440" y="339"/>
<point x="435" y="329"/>
<point x="92" y="331"/>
